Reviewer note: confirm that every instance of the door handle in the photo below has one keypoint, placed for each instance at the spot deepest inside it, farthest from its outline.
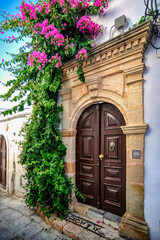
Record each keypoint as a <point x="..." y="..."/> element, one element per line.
<point x="101" y="156"/>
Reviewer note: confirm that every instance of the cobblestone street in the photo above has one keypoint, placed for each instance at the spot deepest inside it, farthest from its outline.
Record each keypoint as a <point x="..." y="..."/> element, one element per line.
<point x="19" y="222"/>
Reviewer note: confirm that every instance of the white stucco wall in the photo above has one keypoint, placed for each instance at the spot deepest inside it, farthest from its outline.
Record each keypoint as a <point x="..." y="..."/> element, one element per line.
<point x="134" y="9"/>
<point x="10" y="127"/>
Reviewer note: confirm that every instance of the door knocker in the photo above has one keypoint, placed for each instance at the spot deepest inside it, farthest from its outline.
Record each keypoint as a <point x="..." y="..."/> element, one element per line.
<point x="112" y="146"/>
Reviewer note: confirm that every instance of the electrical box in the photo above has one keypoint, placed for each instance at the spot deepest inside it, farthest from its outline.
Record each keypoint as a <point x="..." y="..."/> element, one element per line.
<point x="120" y="22"/>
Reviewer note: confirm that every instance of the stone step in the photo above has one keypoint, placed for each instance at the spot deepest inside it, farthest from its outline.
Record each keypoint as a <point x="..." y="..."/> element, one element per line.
<point x="85" y="226"/>
<point x="97" y="215"/>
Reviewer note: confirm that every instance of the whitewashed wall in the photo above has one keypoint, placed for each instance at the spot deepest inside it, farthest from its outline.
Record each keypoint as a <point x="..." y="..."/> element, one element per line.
<point x="133" y="10"/>
<point x="9" y="128"/>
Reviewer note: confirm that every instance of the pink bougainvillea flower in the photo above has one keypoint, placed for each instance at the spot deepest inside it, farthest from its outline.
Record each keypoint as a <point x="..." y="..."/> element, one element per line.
<point x="38" y="57"/>
<point x="87" y="26"/>
<point x="82" y="54"/>
<point x="2" y="32"/>
<point x="2" y="60"/>
<point x="28" y="8"/>
<point x="98" y="222"/>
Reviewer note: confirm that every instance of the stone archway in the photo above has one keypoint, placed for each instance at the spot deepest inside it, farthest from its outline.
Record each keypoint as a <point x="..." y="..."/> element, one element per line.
<point x="114" y="74"/>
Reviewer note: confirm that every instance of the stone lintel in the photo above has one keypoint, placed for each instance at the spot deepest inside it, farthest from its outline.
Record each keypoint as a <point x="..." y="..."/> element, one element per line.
<point x="69" y="132"/>
<point x="133" y="228"/>
<point x="135" y="129"/>
<point x="130" y="41"/>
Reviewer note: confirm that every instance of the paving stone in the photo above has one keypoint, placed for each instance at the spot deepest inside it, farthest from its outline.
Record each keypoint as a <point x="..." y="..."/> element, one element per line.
<point x="87" y="235"/>
<point x="2" y="228"/>
<point x="96" y="214"/>
<point x="6" y="212"/>
<point x="6" y="235"/>
<point x="12" y="203"/>
<point x="29" y="231"/>
<point x="72" y="230"/>
<point x="3" y="207"/>
<point x="42" y="236"/>
<point x="112" y="217"/>
<point x="18" y="223"/>
<point x="10" y="216"/>
<point x="25" y="210"/>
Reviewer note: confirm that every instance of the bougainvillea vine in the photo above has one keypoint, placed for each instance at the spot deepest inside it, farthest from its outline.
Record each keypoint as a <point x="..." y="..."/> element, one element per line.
<point x="58" y="31"/>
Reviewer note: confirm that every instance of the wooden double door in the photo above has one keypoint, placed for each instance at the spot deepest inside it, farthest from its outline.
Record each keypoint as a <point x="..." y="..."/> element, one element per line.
<point x="100" y="158"/>
<point x="3" y="161"/>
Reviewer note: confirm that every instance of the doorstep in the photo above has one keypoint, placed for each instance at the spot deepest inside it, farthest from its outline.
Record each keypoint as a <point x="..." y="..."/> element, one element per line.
<point x="85" y="223"/>
<point x="97" y="214"/>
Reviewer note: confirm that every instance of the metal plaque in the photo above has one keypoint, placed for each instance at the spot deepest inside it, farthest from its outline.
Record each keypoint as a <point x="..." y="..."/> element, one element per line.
<point x="136" y="154"/>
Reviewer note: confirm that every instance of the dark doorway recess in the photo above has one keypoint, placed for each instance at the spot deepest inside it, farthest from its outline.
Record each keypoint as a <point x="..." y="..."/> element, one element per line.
<point x="3" y="161"/>
<point x="101" y="158"/>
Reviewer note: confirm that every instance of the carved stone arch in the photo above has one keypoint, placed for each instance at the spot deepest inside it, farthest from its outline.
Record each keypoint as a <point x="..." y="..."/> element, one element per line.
<point x="83" y="104"/>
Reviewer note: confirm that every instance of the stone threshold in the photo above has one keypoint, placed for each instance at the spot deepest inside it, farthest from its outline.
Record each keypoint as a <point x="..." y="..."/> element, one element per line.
<point x="90" y="221"/>
<point x="96" y="214"/>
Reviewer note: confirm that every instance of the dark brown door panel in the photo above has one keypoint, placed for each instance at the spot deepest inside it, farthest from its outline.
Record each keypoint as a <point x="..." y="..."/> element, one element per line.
<point x="102" y="182"/>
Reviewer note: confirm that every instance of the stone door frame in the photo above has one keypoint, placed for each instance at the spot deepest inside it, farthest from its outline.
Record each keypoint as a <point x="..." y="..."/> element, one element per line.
<point x="113" y="74"/>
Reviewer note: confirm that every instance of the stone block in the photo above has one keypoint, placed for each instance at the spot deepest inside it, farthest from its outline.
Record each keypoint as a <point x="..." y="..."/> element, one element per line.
<point x="69" y="167"/>
<point x="38" y="209"/>
<point x="59" y="224"/>
<point x="42" y="214"/>
<point x="136" y="141"/>
<point x="49" y="221"/>
<point x="135" y="173"/>
<point x="87" y="235"/>
<point x="133" y="228"/>
<point x="135" y="99"/>
<point x="136" y="200"/>
<point x="135" y="115"/>
<point x="112" y="217"/>
<point x="72" y="230"/>
<point x="114" y="225"/>
<point x="96" y="214"/>
<point x="81" y="208"/>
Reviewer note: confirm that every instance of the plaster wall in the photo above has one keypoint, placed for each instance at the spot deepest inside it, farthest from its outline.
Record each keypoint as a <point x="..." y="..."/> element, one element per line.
<point x="9" y="128"/>
<point x="134" y="9"/>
